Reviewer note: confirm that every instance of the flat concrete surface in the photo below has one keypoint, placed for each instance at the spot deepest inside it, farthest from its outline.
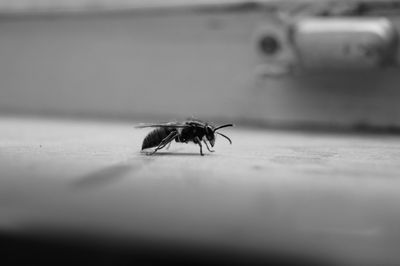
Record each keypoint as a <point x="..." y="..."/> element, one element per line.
<point x="332" y="196"/>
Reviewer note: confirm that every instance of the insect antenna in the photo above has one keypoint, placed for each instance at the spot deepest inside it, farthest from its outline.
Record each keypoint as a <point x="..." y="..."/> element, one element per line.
<point x="230" y="141"/>
<point x="227" y="125"/>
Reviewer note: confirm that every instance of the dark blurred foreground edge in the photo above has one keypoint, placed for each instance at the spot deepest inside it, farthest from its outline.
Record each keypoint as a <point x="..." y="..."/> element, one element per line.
<point x="42" y="249"/>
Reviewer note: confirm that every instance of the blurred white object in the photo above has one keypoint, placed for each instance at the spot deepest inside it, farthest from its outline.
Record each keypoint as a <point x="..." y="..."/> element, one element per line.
<point x="329" y="43"/>
<point x="345" y="42"/>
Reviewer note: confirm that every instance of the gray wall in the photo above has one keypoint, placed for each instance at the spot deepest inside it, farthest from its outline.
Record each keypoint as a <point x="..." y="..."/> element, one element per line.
<point x="165" y="65"/>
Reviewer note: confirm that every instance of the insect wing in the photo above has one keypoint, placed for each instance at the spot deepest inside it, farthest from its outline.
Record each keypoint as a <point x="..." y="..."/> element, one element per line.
<point x="164" y="125"/>
<point x="196" y="122"/>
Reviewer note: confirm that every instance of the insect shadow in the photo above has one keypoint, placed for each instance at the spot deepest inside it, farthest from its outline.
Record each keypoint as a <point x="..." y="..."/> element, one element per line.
<point x="172" y="154"/>
<point x="107" y="175"/>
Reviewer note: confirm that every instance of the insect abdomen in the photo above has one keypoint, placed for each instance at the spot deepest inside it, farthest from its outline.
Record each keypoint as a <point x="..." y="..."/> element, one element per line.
<point x="154" y="138"/>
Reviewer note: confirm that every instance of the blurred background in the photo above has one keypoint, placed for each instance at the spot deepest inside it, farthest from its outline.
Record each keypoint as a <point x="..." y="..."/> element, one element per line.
<point x="237" y="60"/>
<point x="311" y="177"/>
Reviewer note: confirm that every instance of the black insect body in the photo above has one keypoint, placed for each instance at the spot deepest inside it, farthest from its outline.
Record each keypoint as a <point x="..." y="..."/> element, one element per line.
<point x="189" y="131"/>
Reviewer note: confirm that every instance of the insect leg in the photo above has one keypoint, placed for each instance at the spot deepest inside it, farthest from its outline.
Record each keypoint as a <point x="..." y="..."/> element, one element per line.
<point x="168" y="145"/>
<point x="208" y="148"/>
<point x="198" y="141"/>
<point x="159" y="147"/>
<point x="165" y="141"/>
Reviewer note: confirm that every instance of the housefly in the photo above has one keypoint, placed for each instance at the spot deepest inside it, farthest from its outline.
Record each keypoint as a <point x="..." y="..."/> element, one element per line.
<point x="195" y="131"/>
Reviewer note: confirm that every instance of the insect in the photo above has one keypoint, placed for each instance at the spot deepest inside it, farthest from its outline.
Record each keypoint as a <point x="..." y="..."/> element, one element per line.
<point x="195" y="131"/>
